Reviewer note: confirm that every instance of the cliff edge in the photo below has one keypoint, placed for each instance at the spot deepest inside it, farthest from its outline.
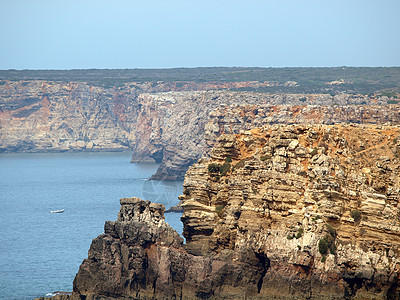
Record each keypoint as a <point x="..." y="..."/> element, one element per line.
<point x="281" y="212"/>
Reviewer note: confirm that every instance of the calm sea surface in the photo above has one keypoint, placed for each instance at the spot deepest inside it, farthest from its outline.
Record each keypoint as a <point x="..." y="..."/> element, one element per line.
<point x="40" y="252"/>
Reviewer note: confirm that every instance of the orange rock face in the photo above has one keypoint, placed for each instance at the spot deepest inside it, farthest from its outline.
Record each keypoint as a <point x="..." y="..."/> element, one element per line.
<point x="320" y="203"/>
<point x="281" y="212"/>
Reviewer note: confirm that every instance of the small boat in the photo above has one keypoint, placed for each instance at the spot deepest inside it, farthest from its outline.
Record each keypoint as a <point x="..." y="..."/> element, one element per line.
<point x="58" y="293"/>
<point x="59" y="211"/>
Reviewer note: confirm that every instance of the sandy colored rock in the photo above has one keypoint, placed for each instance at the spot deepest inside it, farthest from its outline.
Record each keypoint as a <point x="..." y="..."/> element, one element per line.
<point x="267" y="222"/>
<point x="174" y="129"/>
<point x="279" y="202"/>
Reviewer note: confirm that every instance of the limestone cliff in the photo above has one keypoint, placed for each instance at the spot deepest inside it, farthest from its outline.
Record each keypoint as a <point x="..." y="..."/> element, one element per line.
<point x="171" y="128"/>
<point x="180" y="127"/>
<point x="41" y="116"/>
<point x="281" y="212"/>
<point x="319" y="204"/>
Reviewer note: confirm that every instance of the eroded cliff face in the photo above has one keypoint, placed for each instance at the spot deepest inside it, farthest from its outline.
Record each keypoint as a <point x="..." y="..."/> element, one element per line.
<point x="42" y="116"/>
<point x="183" y="126"/>
<point x="233" y="119"/>
<point x="317" y="205"/>
<point x="171" y="128"/>
<point x="141" y="257"/>
<point x="281" y="212"/>
<point x="133" y="256"/>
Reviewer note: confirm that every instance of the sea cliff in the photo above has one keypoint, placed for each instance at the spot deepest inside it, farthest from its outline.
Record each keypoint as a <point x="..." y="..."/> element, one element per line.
<point x="319" y="204"/>
<point x="281" y="212"/>
<point x="173" y="128"/>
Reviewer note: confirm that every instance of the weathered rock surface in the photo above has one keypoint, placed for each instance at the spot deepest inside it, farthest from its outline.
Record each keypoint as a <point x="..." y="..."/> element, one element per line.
<point x="44" y="116"/>
<point x="171" y="128"/>
<point x="289" y="189"/>
<point x="134" y="255"/>
<point x="141" y="257"/>
<point x="183" y="126"/>
<point x="278" y="212"/>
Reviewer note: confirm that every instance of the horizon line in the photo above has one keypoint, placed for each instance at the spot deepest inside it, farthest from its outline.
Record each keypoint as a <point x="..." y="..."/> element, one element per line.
<point x="203" y="67"/>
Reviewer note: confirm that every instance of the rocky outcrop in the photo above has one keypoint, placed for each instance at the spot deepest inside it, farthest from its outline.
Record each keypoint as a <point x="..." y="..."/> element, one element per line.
<point x="140" y="257"/>
<point x="133" y="256"/>
<point x="278" y="212"/>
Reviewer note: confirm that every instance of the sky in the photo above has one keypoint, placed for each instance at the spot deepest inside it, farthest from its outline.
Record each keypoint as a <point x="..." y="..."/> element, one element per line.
<point x="83" y="34"/>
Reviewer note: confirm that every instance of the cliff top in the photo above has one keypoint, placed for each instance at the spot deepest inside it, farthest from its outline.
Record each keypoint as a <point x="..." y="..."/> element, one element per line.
<point x="314" y="80"/>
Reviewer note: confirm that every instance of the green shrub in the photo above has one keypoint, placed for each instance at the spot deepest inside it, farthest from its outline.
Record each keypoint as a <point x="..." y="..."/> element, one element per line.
<point x="332" y="248"/>
<point x="323" y="246"/>
<point x="214" y="168"/>
<point x="298" y="235"/>
<point x="356" y="215"/>
<point x="225" y="168"/>
<point x="221" y="169"/>
<point x="228" y="159"/>
<point x="327" y="242"/>
<point x="300" y="232"/>
<point x="265" y="157"/>
<point x="240" y="163"/>
<point x="323" y="259"/>
<point x="332" y="231"/>
<point x="219" y="209"/>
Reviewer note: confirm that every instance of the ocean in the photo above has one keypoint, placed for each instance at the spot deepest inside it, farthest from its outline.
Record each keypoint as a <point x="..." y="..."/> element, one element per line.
<point x="40" y="251"/>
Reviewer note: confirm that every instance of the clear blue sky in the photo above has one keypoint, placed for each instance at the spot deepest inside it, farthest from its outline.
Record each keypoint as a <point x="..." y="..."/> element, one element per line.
<point x="79" y="34"/>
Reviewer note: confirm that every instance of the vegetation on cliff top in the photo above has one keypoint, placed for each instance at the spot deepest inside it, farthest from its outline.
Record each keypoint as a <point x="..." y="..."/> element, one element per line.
<point x="309" y="80"/>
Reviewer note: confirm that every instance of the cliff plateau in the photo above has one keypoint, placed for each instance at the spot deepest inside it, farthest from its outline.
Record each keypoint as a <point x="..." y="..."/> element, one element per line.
<point x="280" y="212"/>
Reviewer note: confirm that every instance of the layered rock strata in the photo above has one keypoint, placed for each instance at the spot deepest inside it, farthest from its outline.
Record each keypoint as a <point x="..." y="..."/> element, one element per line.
<point x="318" y="206"/>
<point x="138" y="255"/>
<point x="44" y="116"/>
<point x="171" y="128"/>
<point x="235" y="118"/>
<point x="183" y="126"/>
<point x="278" y="212"/>
<point x="141" y="257"/>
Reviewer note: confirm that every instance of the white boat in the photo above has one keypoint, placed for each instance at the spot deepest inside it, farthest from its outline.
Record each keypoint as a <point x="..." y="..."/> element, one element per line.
<point x="57" y="211"/>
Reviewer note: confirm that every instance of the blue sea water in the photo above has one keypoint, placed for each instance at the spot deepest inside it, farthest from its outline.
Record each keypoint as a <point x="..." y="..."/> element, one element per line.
<point x="40" y="252"/>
